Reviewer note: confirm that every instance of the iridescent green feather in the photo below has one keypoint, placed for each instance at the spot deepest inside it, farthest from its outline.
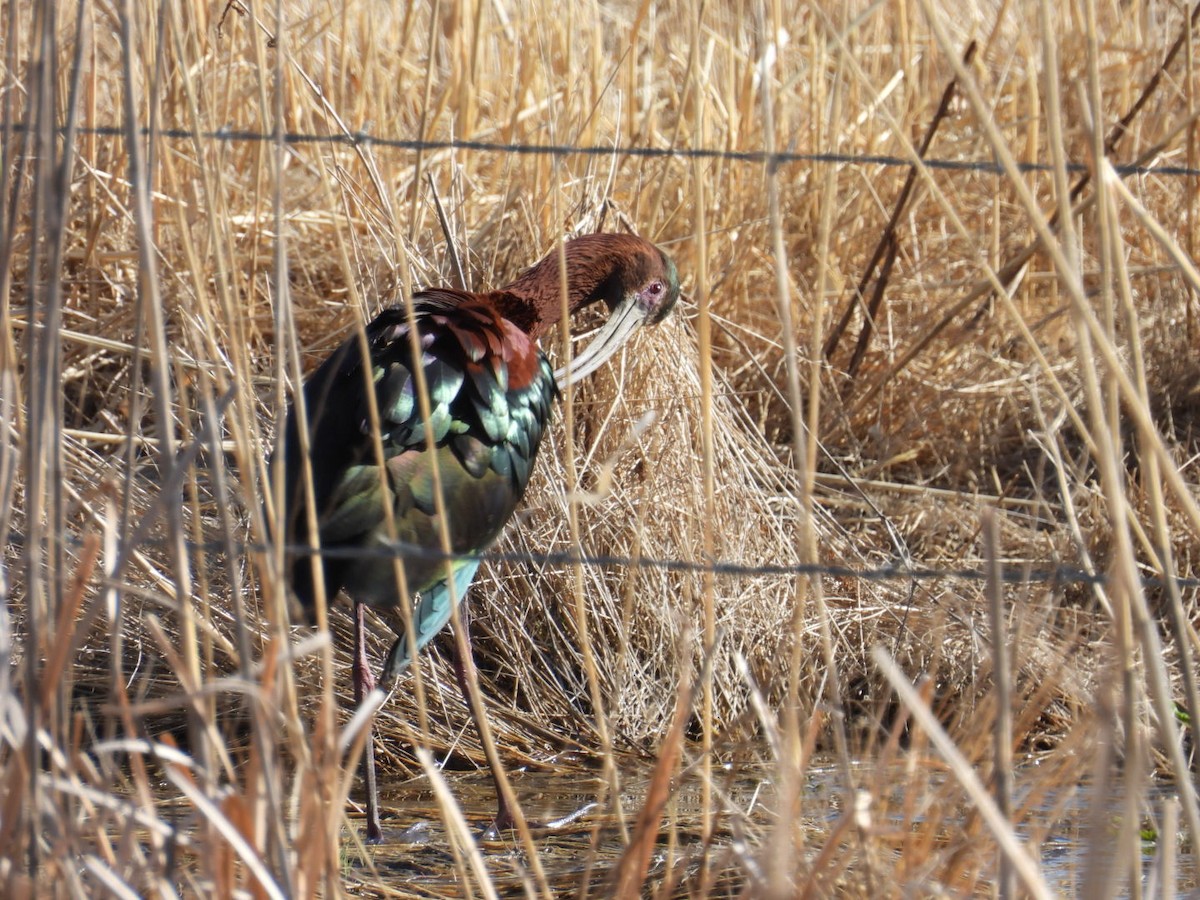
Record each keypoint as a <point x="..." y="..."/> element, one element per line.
<point x="486" y="433"/>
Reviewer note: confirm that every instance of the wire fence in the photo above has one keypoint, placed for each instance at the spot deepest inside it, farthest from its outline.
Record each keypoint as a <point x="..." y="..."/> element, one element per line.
<point x="1022" y="572"/>
<point x="758" y="157"/>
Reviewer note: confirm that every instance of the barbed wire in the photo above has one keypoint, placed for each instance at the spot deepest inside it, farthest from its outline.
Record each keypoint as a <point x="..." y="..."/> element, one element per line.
<point x="1058" y="574"/>
<point x="365" y="139"/>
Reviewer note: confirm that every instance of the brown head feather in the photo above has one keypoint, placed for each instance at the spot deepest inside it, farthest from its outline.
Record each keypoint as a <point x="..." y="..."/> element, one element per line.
<point x="604" y="267"/>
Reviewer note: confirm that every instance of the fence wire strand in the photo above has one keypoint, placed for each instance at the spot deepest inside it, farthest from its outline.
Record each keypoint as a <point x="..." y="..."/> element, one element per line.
<point x="1014" y="571"/>
<point x="758" y="157"/>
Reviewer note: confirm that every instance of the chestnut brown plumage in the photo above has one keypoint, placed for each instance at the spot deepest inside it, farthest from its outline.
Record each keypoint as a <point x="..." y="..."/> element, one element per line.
<point x="490" y="391"/>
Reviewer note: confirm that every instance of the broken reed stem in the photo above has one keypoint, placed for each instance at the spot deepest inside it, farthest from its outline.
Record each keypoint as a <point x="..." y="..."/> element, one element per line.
<point x="780" y="873"/>
<point x="704" y="339"/>
<point x="884" y="255"/>
<point x="458" y="830"/>
<point x="1002" y="772"/>
<point x="1024" y="866"/>
<point x="629" y="875"/>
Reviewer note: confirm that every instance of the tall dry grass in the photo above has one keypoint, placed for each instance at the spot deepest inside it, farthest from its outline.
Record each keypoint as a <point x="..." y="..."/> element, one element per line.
<point x="880" y="364"/>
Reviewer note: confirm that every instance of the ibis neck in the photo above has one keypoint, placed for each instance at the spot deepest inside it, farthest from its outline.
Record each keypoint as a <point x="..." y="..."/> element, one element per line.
<point x="591" y="263"/>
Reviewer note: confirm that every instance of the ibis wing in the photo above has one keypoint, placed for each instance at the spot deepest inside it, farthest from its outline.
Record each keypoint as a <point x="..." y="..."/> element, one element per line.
<point x="490" y="393"/>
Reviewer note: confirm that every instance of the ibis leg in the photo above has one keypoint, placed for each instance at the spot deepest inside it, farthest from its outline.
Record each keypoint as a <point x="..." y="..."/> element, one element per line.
<point x="504" y="818"/>
<point x="364" y="683"/>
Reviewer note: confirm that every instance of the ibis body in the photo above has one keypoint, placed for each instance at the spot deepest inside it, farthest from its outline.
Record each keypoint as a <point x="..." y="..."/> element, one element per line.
<point x="490" y="393"/>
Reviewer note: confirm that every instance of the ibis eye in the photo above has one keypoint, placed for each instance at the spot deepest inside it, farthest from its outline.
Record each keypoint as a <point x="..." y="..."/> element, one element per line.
<point x="655" y="288"/>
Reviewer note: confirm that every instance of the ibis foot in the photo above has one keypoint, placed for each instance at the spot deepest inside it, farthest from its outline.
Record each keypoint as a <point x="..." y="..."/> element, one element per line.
<point x="501" y="825"/>
<point x="504" y="822"/>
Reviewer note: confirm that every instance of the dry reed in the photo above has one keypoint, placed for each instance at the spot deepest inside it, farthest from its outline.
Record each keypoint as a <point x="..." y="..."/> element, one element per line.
<point x="990" y="339"/>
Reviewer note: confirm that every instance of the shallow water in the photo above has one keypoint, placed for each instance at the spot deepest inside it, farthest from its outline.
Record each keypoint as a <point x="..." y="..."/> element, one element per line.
<point x="580" y="838"/>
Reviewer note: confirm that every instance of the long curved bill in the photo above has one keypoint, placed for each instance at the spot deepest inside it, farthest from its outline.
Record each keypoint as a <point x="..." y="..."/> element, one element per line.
<point x="624" y="322"/>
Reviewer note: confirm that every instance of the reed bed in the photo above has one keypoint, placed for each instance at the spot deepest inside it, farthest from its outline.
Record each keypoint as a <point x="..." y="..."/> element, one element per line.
<point x="901" y="502"/>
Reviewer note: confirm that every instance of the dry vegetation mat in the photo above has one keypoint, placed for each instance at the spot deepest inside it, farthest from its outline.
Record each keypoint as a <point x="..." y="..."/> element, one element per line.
<point x="871" y="572"/>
